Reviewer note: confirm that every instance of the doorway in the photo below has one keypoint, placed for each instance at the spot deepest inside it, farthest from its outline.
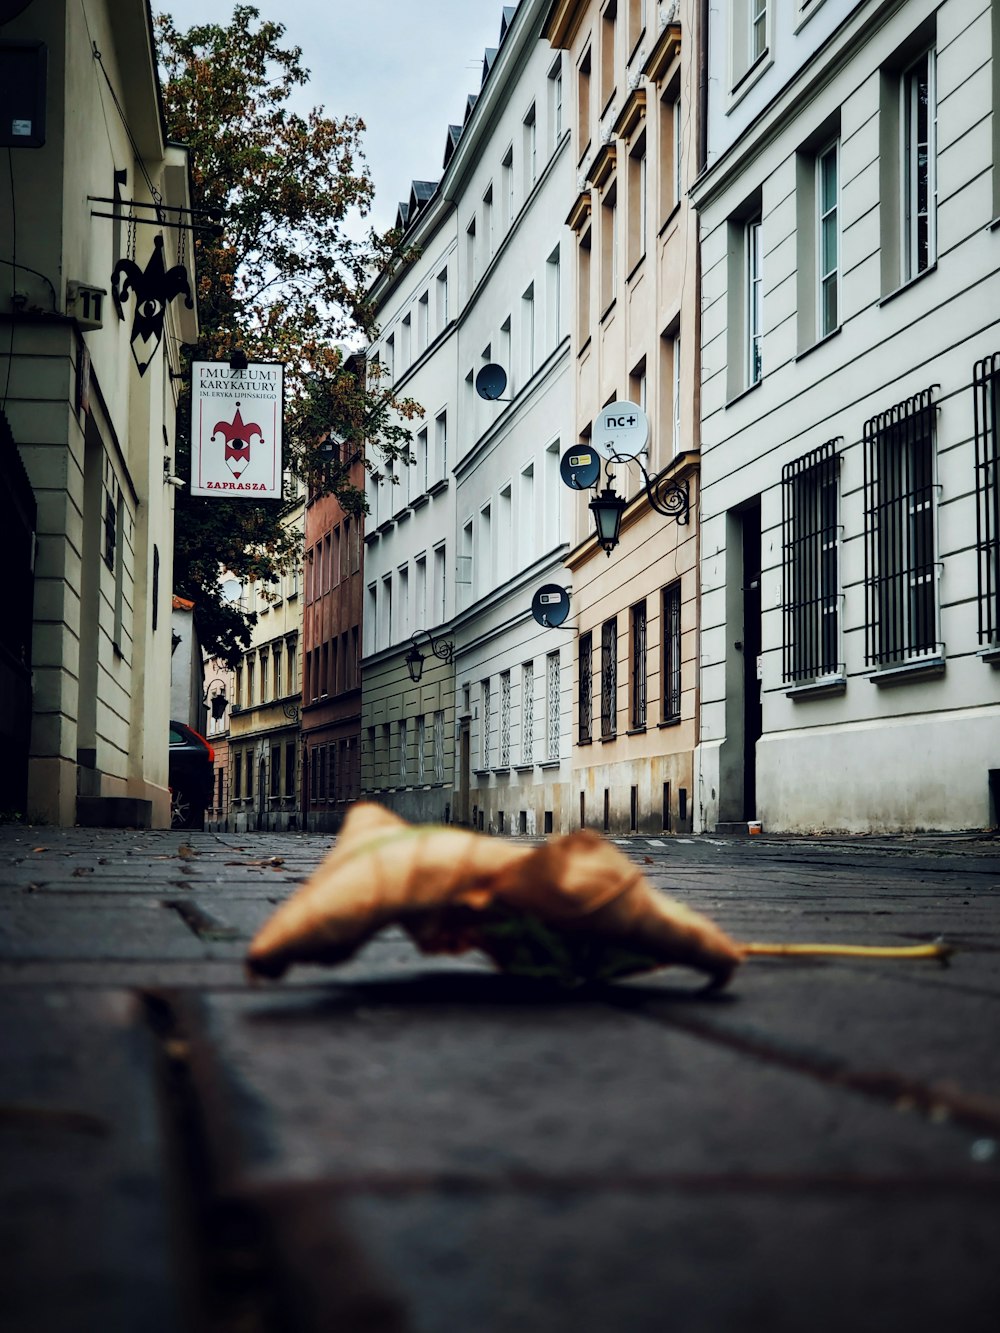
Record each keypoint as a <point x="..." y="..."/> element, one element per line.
<point x="753" y="715"/>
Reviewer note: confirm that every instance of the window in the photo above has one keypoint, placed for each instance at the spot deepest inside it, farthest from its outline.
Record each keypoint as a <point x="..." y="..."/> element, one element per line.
<point x="526" y="515"/>
<point x="470" y="252"/>
<point x="238" y="774"/>
<point x="423" y="463"/>
<point x="754" y="301"/>
<point x="810" y="564"/>
<point x="758" y="30"/>
<point x="439" y="746"/>
<point x="530" y="149"/>
<point x="637" y="203"/>
<point x="423" y="323"/>
<point x="636" y="21"/>
<point x="276" y="660"/>
<point x="421" y="746"/>
<point x="251" y="693"/>
<point x="385" y="636"/>
<point x="420" y="592"/>
<point x="483" y="560"/>
<point x="505" y="719"/>
<point x="486" y="696"/>
<point x="552" y="697"/>
<point x="405" y="344"/>
<point x="637" y="677"/>
<point x="553" y="298"/>
<point x="528" y="713"/>
<point x="290" y="768"/>
<point x="440" y="590"/>
<point x="275" y="780"/>
<point x="671" y="635"/>
<point x="507" y="185"/>
<point x="401" y="737"/>
<point x="488" y="220"/>
<point x="390" y="356"/>
<point x="900" y="567"/>
<point x="919" y="118"/>
<point x="442" y="298"/>
<point x="585" y="693"/>
<point x="583" y="95"/>
<point x="608" y="26"/>
<point x="676" y="395"/>
<point x="555" y="103"/>
<point x="371" y="611"/>
<point x="678" y="150"/>
<point x="609" y="678"/>
<point x="441" y="447"/>
<point x="505" y="562"/>
<point x="583" y="290"/>
<point x="609" y="247"/>
<point x="986" y="383"/>
<point x="828" y="241"/>
<point x="528" y="331"/>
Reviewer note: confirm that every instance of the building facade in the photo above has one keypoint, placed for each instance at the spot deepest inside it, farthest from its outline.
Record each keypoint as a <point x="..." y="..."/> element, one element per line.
<point x="90" y="399"/>
<point x="849" y="565"/>
<point x="632" y="80"/>
<point x="478" y="525"/>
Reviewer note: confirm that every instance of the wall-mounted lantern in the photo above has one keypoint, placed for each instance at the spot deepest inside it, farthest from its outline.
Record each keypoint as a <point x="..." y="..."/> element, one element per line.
<point x="415" y="659"/>
<point x="217" y="702"/>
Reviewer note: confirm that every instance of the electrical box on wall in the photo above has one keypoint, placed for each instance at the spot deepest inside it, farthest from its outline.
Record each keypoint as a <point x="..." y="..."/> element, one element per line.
<point x="86" y="304"/>
<point x="23" y="66"/>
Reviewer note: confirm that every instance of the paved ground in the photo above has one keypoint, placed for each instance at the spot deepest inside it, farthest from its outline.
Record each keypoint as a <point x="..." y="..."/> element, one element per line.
<point x="420" y="1145"/>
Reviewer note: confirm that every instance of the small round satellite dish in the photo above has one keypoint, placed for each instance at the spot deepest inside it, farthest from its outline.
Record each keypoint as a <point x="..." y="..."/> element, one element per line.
<point x="580" y="467"/>
<point x="550" y="605"/>
<point x="231" y="590"/>
<point x="620" y="430"/>
<point x="491" y="382"/>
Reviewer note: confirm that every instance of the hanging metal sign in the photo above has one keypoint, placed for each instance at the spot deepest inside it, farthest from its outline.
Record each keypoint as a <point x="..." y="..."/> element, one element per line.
<point x="620" y="430"/>
<point x="236" y="429"/>
<point x="153" y="287"/>
<point x="550" y="605"/>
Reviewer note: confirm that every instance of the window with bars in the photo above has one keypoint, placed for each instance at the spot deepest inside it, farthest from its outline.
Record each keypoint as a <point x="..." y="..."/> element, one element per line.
<point x="528" y="713"/>
<point x="986" y="387"/>
<point x="585" y="705"/>
<point x="671" y="631"/>
<point x="609" y="677"/>
<point x="439" y="746"/>
<point x="401" y="751"/>
<point x="487" y="698"/>
<point x="810" y="557"/>
<point x="552" y="706"/>
<point x="900" y="564"/>
<point x="421" y="757"/>
<point x="505" y="719"/>
<point x="637" y="677"/>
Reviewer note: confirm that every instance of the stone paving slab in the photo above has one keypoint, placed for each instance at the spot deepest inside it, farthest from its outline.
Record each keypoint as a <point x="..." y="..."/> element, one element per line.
<point x="84" y="1231"/>
<point x="124" y="928"/>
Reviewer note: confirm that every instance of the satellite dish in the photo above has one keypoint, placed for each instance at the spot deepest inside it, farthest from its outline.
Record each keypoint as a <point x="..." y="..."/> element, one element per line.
<point x="580" y="467"/>
<point x="550" y="605"/>
<point x="231" y="590"/>
<point x="491" y="382"/>
<point x="620" y="430"/>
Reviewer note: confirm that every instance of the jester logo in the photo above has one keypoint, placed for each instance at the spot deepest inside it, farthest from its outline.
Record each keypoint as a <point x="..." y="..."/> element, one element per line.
<point x="154" y="287"/>
<point x="238" y="436"/>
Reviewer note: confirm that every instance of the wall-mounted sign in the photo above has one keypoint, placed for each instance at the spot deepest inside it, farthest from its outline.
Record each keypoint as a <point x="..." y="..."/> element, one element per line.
<point x="550" y="605"/>
<point x="236" y="421"/>
<point x="153" y="287"/>
<point x="620" y="430"/>
<point x="580" y="467"/>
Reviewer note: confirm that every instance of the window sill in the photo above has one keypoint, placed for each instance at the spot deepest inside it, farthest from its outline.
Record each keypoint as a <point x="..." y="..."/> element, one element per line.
<point x="636" y="731"/>
<point x="820" y="342"/>
<point x="370" y="539"/>
<point x="669" y="218"/>
<point x="524" y="768"/>
<point x="481" y="772"/>
<point x="905" y="286"/>
<point x="749" y="77"/>
<point x="635" y="269"/>
<point x="584" y="347"/>
<point x="611" y="736"/>
<point x="743" y="392"/>
<point x="550" y="763"/>
<point x="669" y="722"/>
<point x="502" y="769"/>
<point x="925" y="668"/>
<point x="609" y="308"/>
<point x="588" y="741"/>
<point x="820" y="688"/>
<point x="990" y="655"/>
<point x="420" y="501"/>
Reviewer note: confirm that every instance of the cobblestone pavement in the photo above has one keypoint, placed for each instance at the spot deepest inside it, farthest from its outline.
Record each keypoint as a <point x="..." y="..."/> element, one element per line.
<point x="422" y="1145"/>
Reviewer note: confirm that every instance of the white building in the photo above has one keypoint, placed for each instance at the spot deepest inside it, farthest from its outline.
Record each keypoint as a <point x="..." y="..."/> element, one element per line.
<point x="471" y="532"/>
<point x="850" y="642"/>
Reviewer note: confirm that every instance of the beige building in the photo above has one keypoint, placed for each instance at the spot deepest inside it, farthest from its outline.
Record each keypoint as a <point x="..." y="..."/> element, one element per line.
<point x="90" y="399"/>
<point x="266" y="697"/>
<point x="631" y="84"/>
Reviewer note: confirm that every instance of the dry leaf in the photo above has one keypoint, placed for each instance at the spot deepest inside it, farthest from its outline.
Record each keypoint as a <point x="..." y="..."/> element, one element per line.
<point x="575" y="908"/>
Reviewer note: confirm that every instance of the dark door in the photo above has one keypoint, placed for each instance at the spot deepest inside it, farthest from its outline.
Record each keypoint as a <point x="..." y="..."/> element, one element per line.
<point x="17" y="545"/>
<point x="752" y="710"/>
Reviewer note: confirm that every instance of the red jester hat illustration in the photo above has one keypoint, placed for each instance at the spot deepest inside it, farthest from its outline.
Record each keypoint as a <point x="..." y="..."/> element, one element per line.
<point x="238" y="436"/>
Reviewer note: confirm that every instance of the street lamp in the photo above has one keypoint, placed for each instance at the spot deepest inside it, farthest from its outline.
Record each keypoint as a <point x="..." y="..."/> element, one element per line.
<point x="667" y="496"/>
<point x="218" y="702"/>
<point x="415" y="659"/>
<point x="607" y="508"/>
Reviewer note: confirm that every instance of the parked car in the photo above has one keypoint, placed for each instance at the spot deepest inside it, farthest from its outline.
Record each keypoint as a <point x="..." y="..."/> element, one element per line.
<point x="192" y="768"/>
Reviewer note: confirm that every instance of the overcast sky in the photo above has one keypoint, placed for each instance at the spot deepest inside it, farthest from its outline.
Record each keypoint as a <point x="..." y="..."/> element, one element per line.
<point x="404" y="66"/>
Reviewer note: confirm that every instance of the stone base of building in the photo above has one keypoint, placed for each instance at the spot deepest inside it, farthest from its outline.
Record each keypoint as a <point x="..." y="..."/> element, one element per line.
<point x="114" y="812"/>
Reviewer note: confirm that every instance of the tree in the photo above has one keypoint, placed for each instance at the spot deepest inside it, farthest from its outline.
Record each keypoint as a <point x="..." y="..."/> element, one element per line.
<point x="285" y="281"/>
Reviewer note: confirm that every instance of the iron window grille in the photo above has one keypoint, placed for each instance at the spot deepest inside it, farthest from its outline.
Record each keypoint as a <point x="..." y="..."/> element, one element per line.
<point x="638" y="683"/>
<point x="672" y="652"/>
<point x="552" y="706"/>
<point x="505" y="719"/>
<point x="487" y="721"/>
<point x="810" y="566"/>
<point x="421" y="744"/>
<point x="986" y="387"/>
<point x="439" y="745"/>
<point x="528" y="713"/>
<point x="401" y="740"/>
<point x="586" y="689"/>
<point x="609" y="677"/>
<point x="900" y="562"/>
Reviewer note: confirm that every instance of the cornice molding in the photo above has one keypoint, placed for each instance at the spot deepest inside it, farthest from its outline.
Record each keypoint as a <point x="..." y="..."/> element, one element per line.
<point x="632" y="114"/>
<point x="562" y="21"/>
<point x="666" y="47"/>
